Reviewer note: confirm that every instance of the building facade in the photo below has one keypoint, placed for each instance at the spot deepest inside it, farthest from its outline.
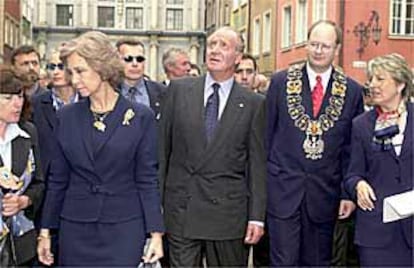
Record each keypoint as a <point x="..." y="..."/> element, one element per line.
<point x="10" y="37"/>
<point x="370" y="28"/>
<point x="159" y="24"/>
<point x="262" y="40"/>
<point x="217" y="14"/>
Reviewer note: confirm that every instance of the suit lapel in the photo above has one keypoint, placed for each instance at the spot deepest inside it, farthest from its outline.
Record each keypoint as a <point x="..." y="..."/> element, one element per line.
<point x="113" y="121"/>
<point x="48" y="110"/>
<point x="195" y="103"/>
<point x="153" y="97"/>
<point x="20" y="152"/>
<point x="306" y="94"/>
<point x="407" y="146"/>
<point x="86" y="121"/>
<point x="327" y="95"/>
<point x="232" y="112"/>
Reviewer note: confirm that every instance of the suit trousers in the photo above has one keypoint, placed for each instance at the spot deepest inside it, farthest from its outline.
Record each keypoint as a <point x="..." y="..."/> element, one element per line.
<point x="298" y="241"/>
<point x="185" y="252"/>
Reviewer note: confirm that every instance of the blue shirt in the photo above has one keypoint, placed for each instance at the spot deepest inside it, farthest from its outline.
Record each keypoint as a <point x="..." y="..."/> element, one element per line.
<point x="142" y="94"/>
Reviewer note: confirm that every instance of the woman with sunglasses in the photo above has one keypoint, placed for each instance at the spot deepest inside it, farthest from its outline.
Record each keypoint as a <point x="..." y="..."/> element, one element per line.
<point x="381" y="164"/>
<point x="45" y="107"/>
<point x="21" y="180"/>
<point x="102" y="193"/>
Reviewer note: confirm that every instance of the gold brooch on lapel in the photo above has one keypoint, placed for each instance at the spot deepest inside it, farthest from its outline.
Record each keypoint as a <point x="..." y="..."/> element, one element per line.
<point x="129" y="114"/>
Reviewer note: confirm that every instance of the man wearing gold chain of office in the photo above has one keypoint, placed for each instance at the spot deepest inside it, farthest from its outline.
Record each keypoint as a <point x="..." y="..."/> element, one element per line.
<point x="310" y="108"/>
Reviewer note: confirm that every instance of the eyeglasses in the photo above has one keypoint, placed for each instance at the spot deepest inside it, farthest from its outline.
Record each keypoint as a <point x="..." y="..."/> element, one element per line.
<point x="131" y="59"/>
<point x="247" y="70"/>
<point x="316" y="45"/>
<point x="53" y="66"/>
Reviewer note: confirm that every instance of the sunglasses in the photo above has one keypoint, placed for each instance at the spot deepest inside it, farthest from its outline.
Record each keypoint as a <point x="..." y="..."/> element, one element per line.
<point x="53" y="66"/>
<point x="131" y="58"/>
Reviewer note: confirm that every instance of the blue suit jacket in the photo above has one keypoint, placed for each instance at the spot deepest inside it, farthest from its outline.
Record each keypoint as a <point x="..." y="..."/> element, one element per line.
<point x="292" y="177"/>
<point x="44" y="118"/>
<point x="387" y="173"/>
<point x="114" y="181"/>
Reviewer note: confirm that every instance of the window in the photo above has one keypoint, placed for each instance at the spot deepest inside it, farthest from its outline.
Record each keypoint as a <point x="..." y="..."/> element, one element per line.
<point x="267" y="32"/>
<point x="301" y="22"/>
<point x="243" y="35"/>
<point x="64" y="15"/>
<point x="106" y="17"/>
<point x="175" y="1"/>
<point x="227" y="15"/>
<point x="256" y="37"/>
<point x="319" y="10"/>
<point x="402" y="17"/>
<point x="287" y="27"/>
<point x="174" y="19"/>
<point x="134" y="18"/>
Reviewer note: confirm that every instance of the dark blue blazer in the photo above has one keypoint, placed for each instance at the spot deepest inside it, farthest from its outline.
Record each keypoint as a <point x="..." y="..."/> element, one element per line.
<point x="387" y="173"/>
<point x="156" y="92"/>
<point x="112" y="181"/>
<point x="44" y="118"/>
<point x="292" y="177"/>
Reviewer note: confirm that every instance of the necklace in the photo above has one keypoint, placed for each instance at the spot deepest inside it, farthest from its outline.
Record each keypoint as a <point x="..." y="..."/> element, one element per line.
<point x="99" y="117"/>
<point x="98" y="120"/>
<point x="313" y="145"/>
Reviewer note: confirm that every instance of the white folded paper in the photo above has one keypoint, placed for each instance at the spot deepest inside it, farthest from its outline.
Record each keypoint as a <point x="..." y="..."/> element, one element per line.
<point x="399" y="206"/>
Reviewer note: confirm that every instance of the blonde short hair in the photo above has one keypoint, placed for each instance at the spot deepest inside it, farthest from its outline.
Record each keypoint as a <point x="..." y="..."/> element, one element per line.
<point x="97" y="50"/>
<point x="397" y="67"/>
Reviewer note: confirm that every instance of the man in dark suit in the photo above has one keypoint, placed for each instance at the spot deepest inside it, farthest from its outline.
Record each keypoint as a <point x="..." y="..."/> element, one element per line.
<point x="212" y="162"/>
<point x="310" y="108"/>
<point x="135" y="87"/>
<point x="176" y="64"/>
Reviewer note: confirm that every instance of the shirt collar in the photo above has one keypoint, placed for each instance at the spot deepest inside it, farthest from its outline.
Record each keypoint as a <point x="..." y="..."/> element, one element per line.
<point x="13" y="131"/>
<point x="312" y="75"/>
<point x="139" y="84"/>
<point x="225" y="85"/>
<point x="58" y="102"/>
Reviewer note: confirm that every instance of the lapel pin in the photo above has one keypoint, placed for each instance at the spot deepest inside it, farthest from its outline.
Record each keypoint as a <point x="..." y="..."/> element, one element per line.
<point x="129" y="114"/>
<point x="157" y="104"/>
<point x="241" y="105"/>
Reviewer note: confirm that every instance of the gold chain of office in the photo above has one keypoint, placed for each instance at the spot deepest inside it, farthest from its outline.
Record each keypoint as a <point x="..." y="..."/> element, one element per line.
<point x="313" y="145"/>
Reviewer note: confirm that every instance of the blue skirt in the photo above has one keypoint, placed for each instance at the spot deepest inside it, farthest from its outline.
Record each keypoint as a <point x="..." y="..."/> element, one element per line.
<point x="396" y="254"/>
<point x="101" y="244"/>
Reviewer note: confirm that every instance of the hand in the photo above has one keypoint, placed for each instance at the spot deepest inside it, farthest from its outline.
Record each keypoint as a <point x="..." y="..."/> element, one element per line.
<point x="154" y="251"/>
<point x="253" y="233"/>
<point x="346" y="207"/>
<point x="13" y="203"/>
<point x="43" y="248"/>
<point x="365" y="195"/>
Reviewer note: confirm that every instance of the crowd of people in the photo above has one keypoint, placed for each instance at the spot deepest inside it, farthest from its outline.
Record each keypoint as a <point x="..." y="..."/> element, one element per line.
<point x="103" y="166"/>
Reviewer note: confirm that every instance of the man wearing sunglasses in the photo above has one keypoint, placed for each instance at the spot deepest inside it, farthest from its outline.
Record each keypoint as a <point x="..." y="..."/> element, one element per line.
<point x="135" y="87"/>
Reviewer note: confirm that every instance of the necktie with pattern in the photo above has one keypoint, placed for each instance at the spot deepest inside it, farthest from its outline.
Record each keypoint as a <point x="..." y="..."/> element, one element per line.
<point x="317" y="95"/>
<point x="211" y="112"/>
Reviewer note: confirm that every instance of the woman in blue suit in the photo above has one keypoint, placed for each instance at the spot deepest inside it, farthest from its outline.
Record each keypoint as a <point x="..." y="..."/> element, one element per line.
<point x="382" y="164"/>
<point x="102" y="192"/>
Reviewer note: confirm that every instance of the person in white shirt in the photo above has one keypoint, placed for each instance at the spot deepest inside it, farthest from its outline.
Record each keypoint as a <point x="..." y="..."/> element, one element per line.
<point x="21" y="180"/>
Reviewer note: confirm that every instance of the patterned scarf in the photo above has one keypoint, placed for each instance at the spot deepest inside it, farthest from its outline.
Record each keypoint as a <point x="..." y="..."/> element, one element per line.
<point x="386" y="127"/>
